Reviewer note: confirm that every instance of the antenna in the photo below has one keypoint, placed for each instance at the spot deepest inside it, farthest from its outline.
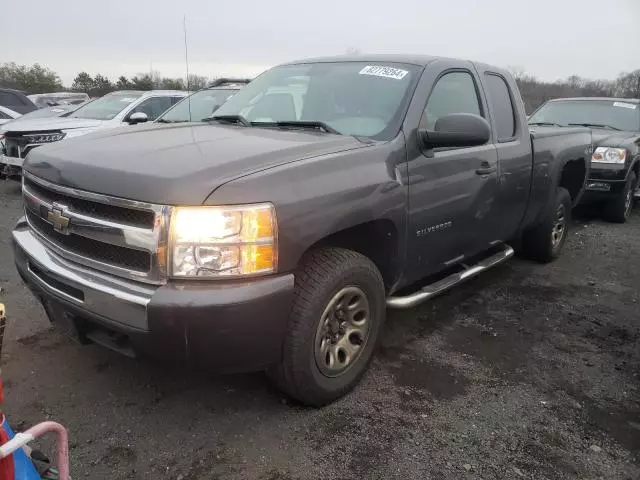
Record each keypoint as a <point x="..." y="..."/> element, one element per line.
<point x="186" y="62"/>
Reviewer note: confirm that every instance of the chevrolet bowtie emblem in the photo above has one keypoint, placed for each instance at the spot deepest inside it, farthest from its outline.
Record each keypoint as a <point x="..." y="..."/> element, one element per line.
<point x="56" y="217"/>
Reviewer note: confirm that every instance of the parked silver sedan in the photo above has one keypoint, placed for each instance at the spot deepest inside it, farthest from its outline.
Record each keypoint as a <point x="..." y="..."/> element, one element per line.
<point x="113" y="110"/>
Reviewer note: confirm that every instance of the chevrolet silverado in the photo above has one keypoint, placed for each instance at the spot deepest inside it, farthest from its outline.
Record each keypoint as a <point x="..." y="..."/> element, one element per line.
<point x="275" y="235"/>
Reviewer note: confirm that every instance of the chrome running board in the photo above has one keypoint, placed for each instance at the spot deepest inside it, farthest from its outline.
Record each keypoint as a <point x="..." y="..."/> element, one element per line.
<point x="436" y="288"/>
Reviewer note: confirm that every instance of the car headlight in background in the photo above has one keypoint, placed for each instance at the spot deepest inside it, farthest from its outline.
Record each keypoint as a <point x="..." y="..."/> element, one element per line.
<point x="226" y="242"/>
<point x="609" y="155"/>
<point x="44" y="137"/>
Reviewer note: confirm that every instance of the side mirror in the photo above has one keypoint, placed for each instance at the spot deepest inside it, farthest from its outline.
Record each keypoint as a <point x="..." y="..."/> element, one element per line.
<point x="138" y="117"/>
<point x="457" y="130"/>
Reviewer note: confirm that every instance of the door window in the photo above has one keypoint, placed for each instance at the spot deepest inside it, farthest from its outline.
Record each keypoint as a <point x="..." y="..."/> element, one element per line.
<point x="153" y="107"/>
<point x="455" y="92"/>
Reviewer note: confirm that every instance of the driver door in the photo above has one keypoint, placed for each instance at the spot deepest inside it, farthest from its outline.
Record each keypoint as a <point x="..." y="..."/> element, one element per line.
<point x="451" y="190"/>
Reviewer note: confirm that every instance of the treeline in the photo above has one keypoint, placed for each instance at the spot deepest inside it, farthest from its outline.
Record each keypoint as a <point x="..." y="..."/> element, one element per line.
<point x="99" y="85"/>
<point x="39" y="79"/>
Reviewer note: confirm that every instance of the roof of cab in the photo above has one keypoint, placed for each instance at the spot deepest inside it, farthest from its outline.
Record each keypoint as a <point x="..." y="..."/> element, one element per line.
<point x="419" y="60"/>
<point x="409" y="59"/>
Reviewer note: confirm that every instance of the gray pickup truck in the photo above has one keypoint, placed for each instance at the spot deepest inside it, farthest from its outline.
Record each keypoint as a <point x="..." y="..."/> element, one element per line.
<point x="275" y="236"/>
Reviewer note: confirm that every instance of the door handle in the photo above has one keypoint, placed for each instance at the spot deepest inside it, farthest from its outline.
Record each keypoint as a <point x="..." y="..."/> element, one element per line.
<point x="485" y="169"/>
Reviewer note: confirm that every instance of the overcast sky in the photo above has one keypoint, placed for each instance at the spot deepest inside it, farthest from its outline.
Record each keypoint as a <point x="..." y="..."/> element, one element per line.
<point x="548" y="38"/>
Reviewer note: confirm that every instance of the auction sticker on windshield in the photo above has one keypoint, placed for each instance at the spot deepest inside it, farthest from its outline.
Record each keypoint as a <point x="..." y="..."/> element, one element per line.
<point x="387" y="72"/>
<point x="625" y="105"/>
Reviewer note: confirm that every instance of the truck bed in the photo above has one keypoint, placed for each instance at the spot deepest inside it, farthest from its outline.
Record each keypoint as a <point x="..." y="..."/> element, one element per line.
<point x="553" y="148"/>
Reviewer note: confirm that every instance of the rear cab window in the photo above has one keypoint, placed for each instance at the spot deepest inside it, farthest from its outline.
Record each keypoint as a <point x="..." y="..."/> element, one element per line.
<point x="501" y="102"/>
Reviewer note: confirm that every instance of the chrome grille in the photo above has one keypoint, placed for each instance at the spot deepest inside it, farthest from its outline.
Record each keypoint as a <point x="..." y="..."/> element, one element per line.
<point x="18" y="144"/>
<point x="137" y="260"/>
<point x="113" y="213"/>
<point x="119" y="236"/>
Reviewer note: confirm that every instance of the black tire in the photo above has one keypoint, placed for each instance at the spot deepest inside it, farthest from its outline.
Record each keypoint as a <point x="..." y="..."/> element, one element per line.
<point x="543" y="243"/>
<point x="618" y="209"/>
<point x="323" y="275"/>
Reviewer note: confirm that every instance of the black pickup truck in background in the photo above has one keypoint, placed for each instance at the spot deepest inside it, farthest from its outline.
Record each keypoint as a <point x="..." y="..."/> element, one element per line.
<point x="275" y="236"/>
<point x="615" y="162"/>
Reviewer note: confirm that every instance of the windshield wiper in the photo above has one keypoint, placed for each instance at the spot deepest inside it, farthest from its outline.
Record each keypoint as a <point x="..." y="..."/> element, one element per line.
<point x="238" y="119"/>
<point x="546" y="124"/>
<point x="313" y="124"/>
<point x="597" y="125"/>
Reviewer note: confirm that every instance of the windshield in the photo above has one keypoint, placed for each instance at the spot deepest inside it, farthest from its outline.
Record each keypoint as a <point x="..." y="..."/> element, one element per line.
<point x="107" y="107"/>
<point x="617" y="114"/>
<point x="198" y="106"/>
<point x="354" y="98"/>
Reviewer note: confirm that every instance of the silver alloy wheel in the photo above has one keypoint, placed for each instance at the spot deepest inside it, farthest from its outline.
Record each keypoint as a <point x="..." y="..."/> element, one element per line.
<point x="628" y="203"/>
<point x="559" y="226"/>
<point x="343" y="331"/>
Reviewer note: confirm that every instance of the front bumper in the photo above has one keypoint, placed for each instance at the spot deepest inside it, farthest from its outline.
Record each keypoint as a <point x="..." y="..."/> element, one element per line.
<point x="605" y="180"/>
<point x="223" y="326"/>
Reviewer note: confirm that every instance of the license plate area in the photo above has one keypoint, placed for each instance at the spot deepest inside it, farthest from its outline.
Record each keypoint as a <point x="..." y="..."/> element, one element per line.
<point x="63" y="320"/>
<point x="599" y="186"/>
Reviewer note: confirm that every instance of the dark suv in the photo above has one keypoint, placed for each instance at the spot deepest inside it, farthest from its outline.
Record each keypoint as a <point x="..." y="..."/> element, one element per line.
<point x="615" y="161"/>
<point x="16" y="101"/>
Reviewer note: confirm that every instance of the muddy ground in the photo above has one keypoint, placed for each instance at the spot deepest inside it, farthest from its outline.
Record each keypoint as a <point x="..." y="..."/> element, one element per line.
<point x="528" y="372"/>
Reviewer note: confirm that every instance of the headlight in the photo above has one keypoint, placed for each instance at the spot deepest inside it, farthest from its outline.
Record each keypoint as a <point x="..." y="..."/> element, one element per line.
<point x="223" y="241"/>
<point x="44" y="137"/>
<point x="609" y="155"/>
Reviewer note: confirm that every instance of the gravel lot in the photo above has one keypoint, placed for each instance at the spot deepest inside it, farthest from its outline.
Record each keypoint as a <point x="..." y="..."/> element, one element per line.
<point x="528" y="372"/>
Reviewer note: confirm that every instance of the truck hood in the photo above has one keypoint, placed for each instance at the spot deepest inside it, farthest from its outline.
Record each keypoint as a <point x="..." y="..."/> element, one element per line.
<point x="607" y="138"/>
<point x="175" y="164"/>
<point x="51" y="123"/>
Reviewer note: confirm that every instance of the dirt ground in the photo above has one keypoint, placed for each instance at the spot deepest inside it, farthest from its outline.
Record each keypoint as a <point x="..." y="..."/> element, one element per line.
<point x="528" y="372"/>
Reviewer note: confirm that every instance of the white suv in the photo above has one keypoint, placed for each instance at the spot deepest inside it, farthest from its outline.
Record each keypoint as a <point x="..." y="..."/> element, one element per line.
<point x="113" y="110"/>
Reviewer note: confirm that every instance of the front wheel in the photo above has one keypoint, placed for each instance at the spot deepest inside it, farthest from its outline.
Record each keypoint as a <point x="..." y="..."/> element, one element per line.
<point x="618" y="209"/>
<point x="338" y="312"/>
<point x="544" y="242"/>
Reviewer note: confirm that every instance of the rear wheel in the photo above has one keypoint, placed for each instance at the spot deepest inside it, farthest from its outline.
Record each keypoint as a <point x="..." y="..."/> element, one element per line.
<point x="618" y="209"/>
<point x="338" y="312"/>
<point x="544" y="242"/>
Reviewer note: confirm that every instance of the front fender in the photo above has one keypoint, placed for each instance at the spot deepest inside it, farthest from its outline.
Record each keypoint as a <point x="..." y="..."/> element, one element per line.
<point x="320" y="196"/>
